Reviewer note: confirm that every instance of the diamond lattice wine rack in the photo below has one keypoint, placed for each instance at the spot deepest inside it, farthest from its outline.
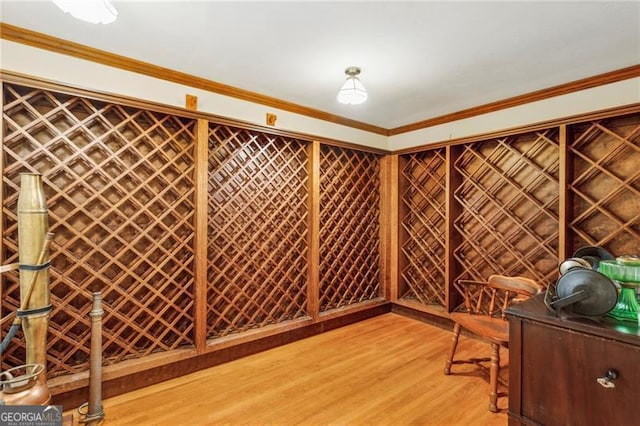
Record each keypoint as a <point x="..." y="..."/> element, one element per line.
<point x="604" y="187"/>
<point x="257" y="230"/>
<point x="509" y="199"/>
<point x="349" y="227"/>
<point x="119" y="184"/>
<point x="424" y="222"/>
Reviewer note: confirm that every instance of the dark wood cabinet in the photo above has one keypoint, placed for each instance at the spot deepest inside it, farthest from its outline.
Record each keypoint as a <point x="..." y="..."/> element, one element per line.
<point x="555" y="364"/>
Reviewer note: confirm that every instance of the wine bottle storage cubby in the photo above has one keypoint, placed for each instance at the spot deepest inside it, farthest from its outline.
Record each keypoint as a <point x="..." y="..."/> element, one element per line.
<point x="349" y="227"/>
<point x="509" y="207"/>
<point x="423" y="249"/>
<point x="604" y="186"/>
<point x="257" y="230"/>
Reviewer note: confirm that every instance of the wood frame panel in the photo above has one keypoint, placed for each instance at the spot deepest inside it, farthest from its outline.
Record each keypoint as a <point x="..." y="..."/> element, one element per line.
<point x="509" y="199"/>
<point x="258" y="230"/>
<point x="453" y="238"/>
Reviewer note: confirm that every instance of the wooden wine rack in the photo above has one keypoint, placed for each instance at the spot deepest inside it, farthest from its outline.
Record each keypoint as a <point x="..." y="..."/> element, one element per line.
<point x="604" y="187"/>
<point x="349" y="227"/>
<point x="503" y="215"/>
<point x="123" y="185"/>
<point x="509" y="198"/>
<point x="257" y="230"/>
<point x="120" y="193"/>
<point x="424" y="227"/>
<point x="519" y="205"/>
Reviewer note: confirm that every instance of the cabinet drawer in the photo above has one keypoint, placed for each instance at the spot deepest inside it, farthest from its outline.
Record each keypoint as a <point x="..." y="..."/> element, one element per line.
<point x="559" y="383"/>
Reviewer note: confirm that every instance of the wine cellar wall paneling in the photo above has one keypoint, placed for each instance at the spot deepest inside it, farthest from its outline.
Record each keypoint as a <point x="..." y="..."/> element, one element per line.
<point x="119" y="183"/>
<point x="423" y="222"/>
<point x="515" y="196"/>
<point x="125" y="194"/>
<point x="604" y="158"/>
<point x="509" y="194"/>
<point x="257" y="230"/>
<point x="349" y="227"/>
<point x="293" y="228"/>
<point x="503" y="215"/>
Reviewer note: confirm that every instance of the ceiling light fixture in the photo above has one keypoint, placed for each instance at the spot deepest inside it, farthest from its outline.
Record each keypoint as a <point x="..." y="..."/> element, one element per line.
<point x="352" y="91"/>
<point x="93" y="11"/>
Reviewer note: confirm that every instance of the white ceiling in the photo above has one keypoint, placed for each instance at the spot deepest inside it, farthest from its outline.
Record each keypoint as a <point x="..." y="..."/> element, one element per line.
<point x="419" y="60"/>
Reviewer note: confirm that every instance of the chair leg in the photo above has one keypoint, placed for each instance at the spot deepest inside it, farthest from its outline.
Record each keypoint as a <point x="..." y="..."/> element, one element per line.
<point x="493" y="382"/>
<point x="452" y="351"/>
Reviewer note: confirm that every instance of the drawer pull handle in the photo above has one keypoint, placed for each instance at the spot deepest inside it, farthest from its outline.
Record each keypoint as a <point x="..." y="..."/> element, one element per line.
<point x="607" y="380"/>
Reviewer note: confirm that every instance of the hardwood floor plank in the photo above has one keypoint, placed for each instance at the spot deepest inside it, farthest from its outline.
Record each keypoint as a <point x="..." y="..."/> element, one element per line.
<point x="385" y="370"/>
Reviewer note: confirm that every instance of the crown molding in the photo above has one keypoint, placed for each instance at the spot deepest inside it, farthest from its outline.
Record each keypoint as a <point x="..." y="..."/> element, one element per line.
<point x="534" y="127"/>
<point x="538" y="95"/>
<point x="65" y="47"/>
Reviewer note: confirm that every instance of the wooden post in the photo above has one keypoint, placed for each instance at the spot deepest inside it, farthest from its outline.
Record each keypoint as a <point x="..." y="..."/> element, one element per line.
<point x="564" y="245"/>
<point x="453" y="239"/>
<point x="313" y="238"/>
<point x="2" y="194"/>
<point x="201" y="233"/>
<point x="389" y="226"/>
<point x="401" y="234"/>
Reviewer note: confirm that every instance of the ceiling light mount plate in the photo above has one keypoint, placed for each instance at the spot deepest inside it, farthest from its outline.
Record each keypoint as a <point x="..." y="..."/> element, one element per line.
<point x="352" y="71"/>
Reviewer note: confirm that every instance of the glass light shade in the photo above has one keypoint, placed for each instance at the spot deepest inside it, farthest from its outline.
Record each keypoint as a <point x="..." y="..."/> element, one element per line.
<point x="352" y="92"/>
<point x="92" y="11"/>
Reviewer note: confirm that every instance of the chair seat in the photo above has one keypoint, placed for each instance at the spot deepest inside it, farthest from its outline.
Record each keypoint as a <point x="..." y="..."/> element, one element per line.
<point x="491" y="328"/>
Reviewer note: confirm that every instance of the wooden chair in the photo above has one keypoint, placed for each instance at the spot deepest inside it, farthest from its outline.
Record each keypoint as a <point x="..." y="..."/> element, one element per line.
<point x="488" y="320"/>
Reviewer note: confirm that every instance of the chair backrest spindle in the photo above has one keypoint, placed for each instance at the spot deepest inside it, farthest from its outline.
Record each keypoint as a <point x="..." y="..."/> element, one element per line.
<point x="478" y="306"/>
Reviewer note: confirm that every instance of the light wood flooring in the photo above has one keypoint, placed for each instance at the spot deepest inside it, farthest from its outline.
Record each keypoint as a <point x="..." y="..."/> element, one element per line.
<point x="383" y="371"/>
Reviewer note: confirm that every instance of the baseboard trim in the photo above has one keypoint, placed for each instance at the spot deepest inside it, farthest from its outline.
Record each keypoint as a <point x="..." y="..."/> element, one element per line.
<point x="435" y="320"/>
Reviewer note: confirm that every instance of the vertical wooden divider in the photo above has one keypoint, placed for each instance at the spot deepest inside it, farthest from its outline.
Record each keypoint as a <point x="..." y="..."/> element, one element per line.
<point x="2" y="224"/>
<point x="453" y="238"/>
<point x="201" y="203"/>
<point x="389" y="226"/>
<point x="313" y="278"/>
<point x="401" y="234"/>
<point x="564" y="194"/>
<point x="1" y="188"/>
